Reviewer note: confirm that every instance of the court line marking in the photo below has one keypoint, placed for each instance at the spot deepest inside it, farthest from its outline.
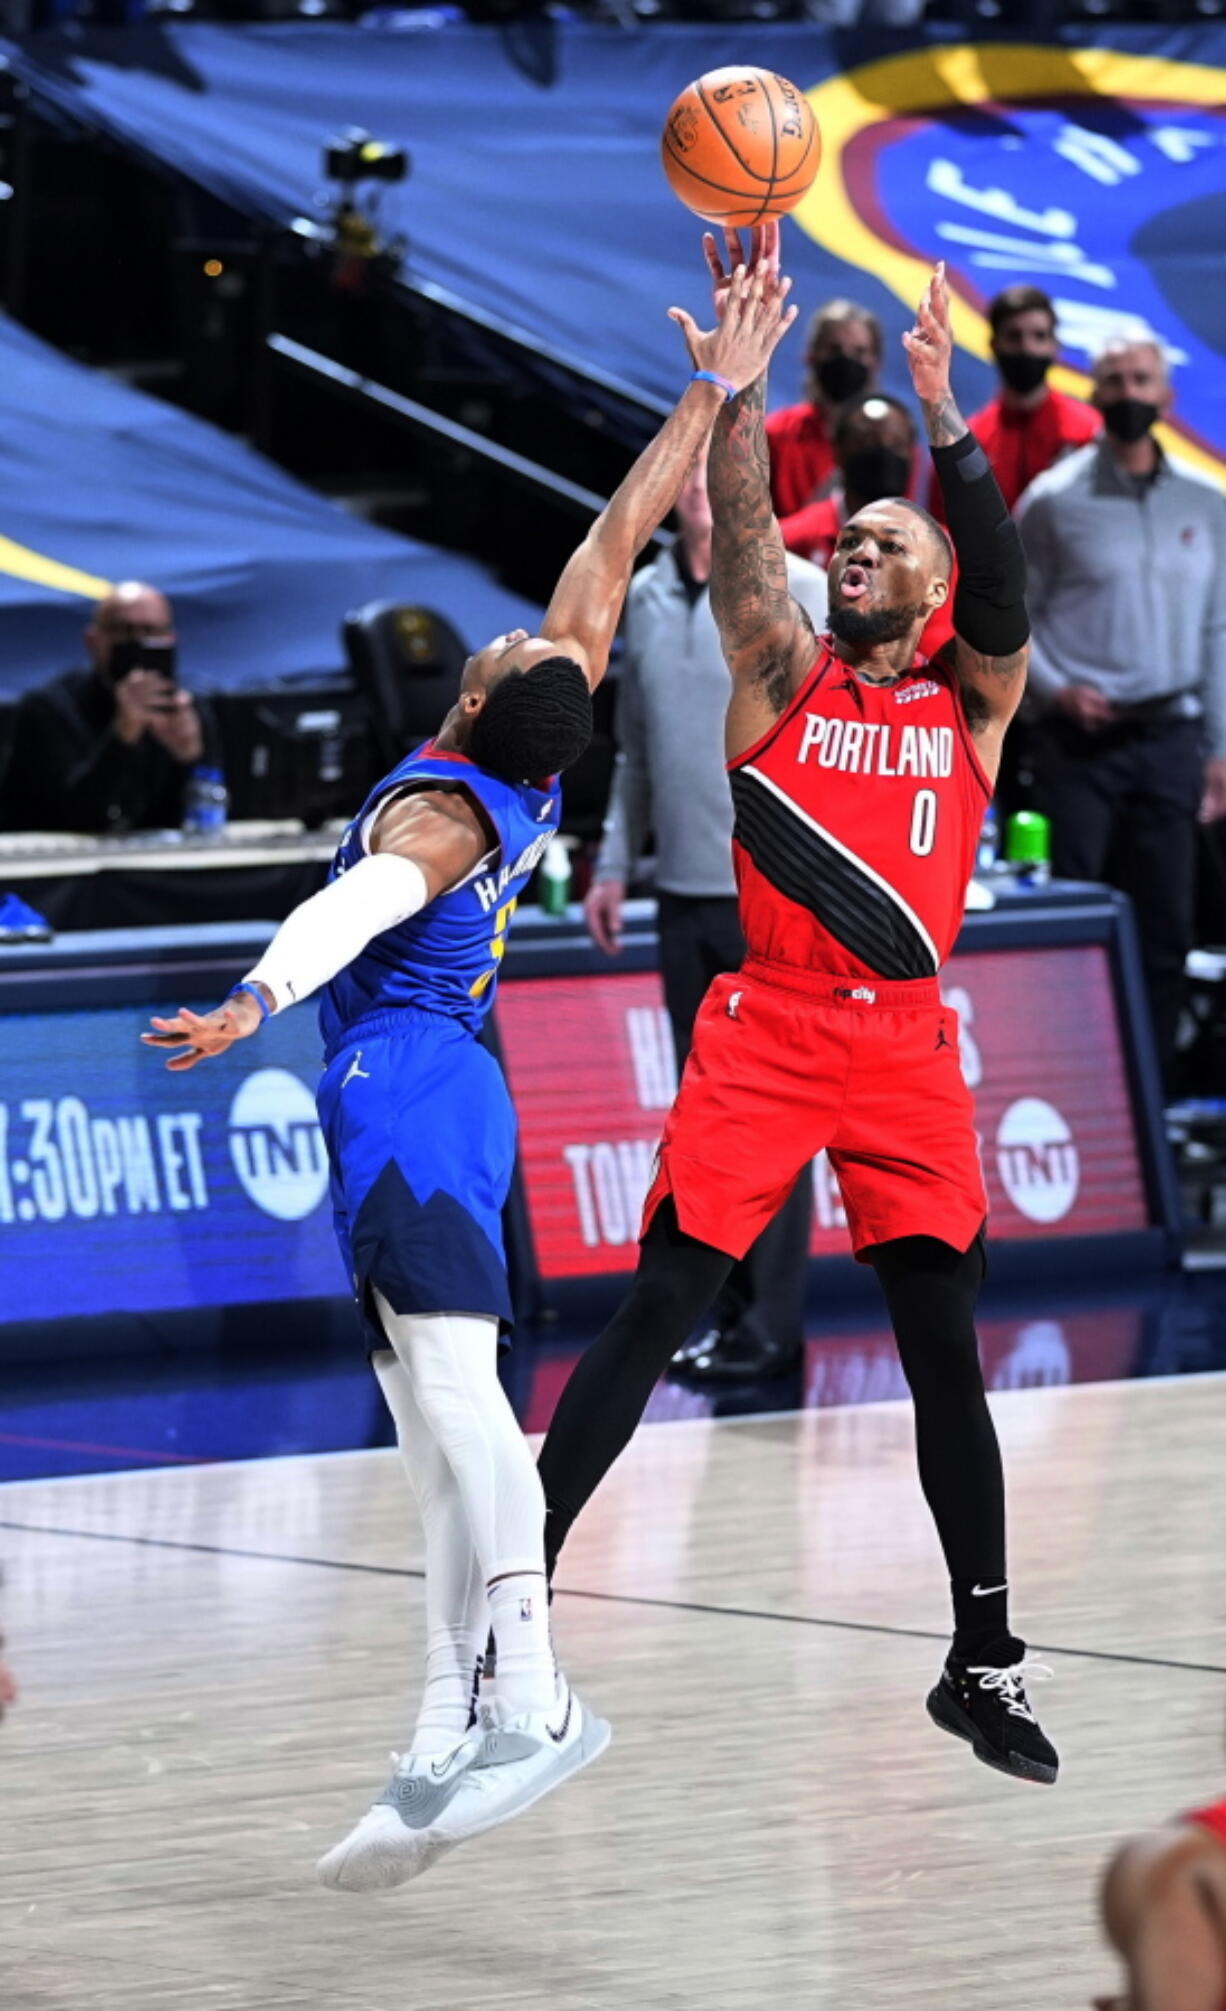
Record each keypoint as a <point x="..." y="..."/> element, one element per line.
<point x="603" y="1598"/>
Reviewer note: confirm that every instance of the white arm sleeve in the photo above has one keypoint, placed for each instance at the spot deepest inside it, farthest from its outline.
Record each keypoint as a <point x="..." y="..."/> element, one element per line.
<point x="334" y="926"/>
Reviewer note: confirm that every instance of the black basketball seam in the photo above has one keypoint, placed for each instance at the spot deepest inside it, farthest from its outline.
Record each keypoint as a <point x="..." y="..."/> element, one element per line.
<point x="722" y="187"/>
<point x="741" y="163"/>
<point x="770" y="106"/>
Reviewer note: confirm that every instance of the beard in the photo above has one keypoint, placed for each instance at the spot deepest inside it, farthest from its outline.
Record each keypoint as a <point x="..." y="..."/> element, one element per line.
<point x="883" y="624"/>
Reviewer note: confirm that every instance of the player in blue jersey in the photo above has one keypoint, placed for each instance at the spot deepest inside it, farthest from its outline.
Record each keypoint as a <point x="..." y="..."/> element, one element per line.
<point x="407" y="937"/>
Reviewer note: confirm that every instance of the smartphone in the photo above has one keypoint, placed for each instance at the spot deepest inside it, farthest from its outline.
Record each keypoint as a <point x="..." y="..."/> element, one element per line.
<point x="136" y="654"/>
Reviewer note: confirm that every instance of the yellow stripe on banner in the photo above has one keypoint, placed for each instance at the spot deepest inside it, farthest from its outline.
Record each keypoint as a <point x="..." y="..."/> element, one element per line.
<point x="23" y="564"/>
<point x="931" y="80"/>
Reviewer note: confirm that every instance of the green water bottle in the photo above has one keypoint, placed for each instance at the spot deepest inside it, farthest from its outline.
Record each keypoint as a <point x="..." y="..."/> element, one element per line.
<point x="555" y="878"/>
<point x="1028" y="847"/>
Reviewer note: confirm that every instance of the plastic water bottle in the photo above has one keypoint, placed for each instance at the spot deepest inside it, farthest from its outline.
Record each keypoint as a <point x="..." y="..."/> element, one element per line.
<point x="555" y="878"/>
<point x="208" y="799"/>
<point x="987" y="854"/>
<point x="1028" y="847"/>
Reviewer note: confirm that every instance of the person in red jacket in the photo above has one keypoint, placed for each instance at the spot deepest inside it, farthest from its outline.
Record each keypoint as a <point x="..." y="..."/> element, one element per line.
<point x="1029" y="425"/>
<point x="843" y="350"/>
<point x="1164" y="1910"/>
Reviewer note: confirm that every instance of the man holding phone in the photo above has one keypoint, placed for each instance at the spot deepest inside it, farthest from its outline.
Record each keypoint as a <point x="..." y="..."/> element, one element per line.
<point x="108" y="749"/>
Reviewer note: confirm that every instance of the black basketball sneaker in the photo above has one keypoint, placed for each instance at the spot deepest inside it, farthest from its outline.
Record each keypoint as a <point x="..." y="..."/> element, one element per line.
<point x="989" y="1708"/>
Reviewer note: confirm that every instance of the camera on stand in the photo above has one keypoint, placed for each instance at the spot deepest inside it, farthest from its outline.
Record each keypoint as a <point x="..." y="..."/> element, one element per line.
<point x="352" y="158"/>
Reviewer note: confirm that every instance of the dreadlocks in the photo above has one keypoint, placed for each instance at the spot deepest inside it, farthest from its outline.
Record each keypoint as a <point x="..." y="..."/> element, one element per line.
<point x="533" y="722"/>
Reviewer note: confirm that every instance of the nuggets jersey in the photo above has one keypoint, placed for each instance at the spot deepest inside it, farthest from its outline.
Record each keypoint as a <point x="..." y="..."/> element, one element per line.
<point x="856" y="822"/>
<point x="446" y="958"/>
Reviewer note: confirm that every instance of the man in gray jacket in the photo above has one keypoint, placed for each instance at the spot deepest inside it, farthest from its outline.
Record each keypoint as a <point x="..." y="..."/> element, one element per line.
<point x="671" y="780"/>
<point x="1126" y="554"/>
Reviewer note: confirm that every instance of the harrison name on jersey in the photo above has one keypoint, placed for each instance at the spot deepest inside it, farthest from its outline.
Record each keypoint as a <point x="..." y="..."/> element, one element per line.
<point x="866" y="747"/>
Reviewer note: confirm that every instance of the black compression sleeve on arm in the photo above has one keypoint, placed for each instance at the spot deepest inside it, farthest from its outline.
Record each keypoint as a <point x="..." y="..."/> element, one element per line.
<point x="990" y="599"/>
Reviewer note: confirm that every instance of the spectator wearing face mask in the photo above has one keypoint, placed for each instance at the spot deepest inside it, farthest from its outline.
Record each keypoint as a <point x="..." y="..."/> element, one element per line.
<point x="874" y="449"/>
<point x="843" y="351"/>
<point x="1029" y="426"/>
<point x="1126" y="555"/>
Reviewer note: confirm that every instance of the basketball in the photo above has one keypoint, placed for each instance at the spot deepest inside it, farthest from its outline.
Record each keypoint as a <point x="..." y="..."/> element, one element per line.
<point x="740" y="146"/>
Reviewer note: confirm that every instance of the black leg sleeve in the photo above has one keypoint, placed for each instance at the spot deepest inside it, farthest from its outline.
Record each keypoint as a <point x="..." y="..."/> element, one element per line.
<point x="606" y="1396"/>
<point x="930" y="1290"/>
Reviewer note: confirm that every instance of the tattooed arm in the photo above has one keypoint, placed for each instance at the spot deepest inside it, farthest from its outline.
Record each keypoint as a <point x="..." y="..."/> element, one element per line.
<point x="767" y="637"/>
<point x="991" y="646"/>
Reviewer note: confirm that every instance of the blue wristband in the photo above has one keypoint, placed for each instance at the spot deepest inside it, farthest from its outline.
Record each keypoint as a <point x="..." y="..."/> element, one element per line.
<point x="258" y="996"/>
<point x="712" y="377"/>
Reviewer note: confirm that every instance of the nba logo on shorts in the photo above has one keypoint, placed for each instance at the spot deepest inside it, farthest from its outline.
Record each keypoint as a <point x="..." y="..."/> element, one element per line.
<point x="525" y="1609"/>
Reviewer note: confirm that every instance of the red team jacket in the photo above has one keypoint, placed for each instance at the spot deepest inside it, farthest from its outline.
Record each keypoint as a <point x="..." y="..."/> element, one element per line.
<point x="862" y="807"/>
<point x="1020" y="445"/>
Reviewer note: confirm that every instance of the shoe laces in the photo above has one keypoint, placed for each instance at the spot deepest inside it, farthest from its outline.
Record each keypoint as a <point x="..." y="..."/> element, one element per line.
<point x="1010" y="1685"/>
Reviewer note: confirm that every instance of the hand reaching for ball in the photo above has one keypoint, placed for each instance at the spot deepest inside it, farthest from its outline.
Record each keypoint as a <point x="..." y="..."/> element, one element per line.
<point x="762" y="250"/>
<point x="751" y="311"/>
<point x="930" y="344"/>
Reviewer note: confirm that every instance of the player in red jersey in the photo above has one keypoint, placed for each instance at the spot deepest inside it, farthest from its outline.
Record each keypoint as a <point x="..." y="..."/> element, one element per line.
<point x="1164" y="1909"/>
<point x="859" y="774"/>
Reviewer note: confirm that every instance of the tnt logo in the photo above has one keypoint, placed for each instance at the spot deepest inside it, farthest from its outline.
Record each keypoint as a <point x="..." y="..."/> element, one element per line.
<point x="276" y="1145"/>
<point x="1037" y="1160"/>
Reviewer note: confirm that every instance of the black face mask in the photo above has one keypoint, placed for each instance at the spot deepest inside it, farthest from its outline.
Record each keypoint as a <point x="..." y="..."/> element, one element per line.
<point x="840" y="377"/>
<point x="1022" y="372"/>
<point x="1129" y="419"/>
<point x="873" y="472"/>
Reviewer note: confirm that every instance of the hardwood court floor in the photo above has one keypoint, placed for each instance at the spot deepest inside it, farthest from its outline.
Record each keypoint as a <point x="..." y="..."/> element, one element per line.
<point x="215" y="1661"/>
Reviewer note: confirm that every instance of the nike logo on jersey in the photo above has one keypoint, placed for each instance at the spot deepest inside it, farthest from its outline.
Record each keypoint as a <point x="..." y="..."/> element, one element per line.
<point x="355" y="1068"/>
<point x="866" y="747"/>
<point x="986" y="1591"/>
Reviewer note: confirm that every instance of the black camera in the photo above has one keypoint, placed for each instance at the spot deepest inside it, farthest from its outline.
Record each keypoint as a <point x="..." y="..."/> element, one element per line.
<point x="133" y="653"/>
<point x="355" y="157"/>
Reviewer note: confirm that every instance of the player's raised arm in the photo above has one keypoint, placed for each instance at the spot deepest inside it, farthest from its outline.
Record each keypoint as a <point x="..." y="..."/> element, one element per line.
<point x="990" y="649"/>
<point x="767" y="637"/>
<point x="586" y="607"/>
<point x="421" y="845"/>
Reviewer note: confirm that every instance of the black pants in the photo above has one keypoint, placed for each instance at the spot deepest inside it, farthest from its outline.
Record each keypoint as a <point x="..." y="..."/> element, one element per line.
<point x="764" y="1296"/>
<point x="1123" y="806"/>
<point x="930" y="1290"/>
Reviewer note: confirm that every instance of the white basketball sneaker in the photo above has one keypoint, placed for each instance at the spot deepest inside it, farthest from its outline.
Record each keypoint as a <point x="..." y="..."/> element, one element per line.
<point x="396" y="1839"/>
<point x="522" y="1759"/>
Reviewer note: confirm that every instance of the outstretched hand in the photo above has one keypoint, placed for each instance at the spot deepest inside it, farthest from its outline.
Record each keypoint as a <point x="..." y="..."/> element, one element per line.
<point x="930" y="344"/>
<point x="752" y="317"/>
<point x="195" y="1036"/>
<point x="760" y="249"/>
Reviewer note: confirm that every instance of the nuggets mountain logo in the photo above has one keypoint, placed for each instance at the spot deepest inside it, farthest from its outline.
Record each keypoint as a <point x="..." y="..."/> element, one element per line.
<point x="1091" y="172"/>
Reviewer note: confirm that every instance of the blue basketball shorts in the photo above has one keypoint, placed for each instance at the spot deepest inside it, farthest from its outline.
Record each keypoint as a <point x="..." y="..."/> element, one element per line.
<point x="420" y="1132"/>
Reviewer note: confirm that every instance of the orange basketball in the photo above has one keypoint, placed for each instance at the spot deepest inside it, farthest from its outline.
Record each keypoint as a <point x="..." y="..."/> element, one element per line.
<point x="740" y="146"/>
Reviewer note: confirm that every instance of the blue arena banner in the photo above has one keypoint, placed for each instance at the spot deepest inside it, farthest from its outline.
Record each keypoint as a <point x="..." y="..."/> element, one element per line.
<point x="1092" y="165"/>
<point x="126" y="1189"/>
<point x="102" y="483"/>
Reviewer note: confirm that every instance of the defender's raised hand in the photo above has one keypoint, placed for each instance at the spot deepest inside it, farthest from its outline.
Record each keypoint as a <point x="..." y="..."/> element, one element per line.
<point x="754" y="319"/>
<point x="762" y="249"/>
<point x="930" y="343"/>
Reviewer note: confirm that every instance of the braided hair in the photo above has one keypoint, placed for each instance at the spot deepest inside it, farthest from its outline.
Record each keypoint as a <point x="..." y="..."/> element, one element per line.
<point x="534" y="722"/>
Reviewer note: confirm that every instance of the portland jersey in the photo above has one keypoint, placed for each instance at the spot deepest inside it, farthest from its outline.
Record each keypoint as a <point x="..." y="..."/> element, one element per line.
<point x="444" y="959"/>
<point x="857" y="819"/>
<point x="1212" y="1818"/>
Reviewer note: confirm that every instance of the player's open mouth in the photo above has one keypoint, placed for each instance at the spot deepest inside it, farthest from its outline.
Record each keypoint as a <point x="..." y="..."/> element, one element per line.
<point x="854" y="584"/>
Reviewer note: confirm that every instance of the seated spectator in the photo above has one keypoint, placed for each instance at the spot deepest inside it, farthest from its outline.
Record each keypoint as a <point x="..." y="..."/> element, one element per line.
<point x="1164" y="1909"/>
<point x="1126" y="551"/>
<point x="874" y="443"/>
<point x="1029" y="425"/>
<point x="108" y="749"/>
<point x="843" y="350"/>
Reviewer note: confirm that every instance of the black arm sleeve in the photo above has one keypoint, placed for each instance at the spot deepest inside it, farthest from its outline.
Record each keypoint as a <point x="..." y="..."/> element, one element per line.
<point x="990" y="599"/>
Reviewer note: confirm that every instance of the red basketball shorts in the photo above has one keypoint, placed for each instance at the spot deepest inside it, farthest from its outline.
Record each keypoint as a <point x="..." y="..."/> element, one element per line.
<point x="786" y="1063"/>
